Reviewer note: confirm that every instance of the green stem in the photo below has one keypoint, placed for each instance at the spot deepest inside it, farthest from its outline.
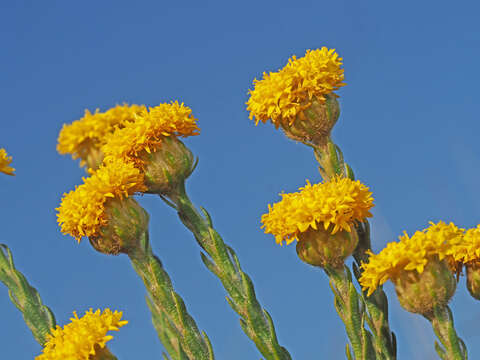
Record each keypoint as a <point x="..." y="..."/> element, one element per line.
<point x="167" y="333"/>
<point x="331" y="161"/>
<point x="103" y="354"/>
<point x="168" y="307"/>
<point x="223" y="262"/>
<point x="349" y="306"/>
<point x="38" y="317"/>
<point x="453" y="347"/>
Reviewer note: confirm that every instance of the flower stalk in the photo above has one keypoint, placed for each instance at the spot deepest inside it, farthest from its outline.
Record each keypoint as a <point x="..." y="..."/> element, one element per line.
<point x="442" y="323"/>
<point x="349" y="307"/>
<point x="223" y="262"/>
<point x="175" y="326"/>
<point x="331" y="164"/>
<point x="38" y="317"/>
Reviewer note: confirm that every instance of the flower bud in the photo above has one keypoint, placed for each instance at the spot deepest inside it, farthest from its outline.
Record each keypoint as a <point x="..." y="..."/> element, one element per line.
<point x="168" y="166"/>
<point x="321" y="248"/>
<point x="421" y="293"/>
<point x="314" y="123"/>
<point x="126" y="222"/>
<point x="473" y="279"/>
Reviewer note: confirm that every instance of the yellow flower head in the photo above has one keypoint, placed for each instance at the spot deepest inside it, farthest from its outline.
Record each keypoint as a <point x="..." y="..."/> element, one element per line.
<point x="91" y="130"/>
<point x="339" y="202"/>
<point x="409" y="254"/>
<point x="467" y="249"/>
<point x="281" y="95"/>
<point x="82" y="338"/>
<point x="82" y="211"/>
<point x="5" y="161"/>
<point x="149" y="129"/>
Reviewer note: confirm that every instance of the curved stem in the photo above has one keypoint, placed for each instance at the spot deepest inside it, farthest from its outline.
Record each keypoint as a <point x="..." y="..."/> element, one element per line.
<point x="38" y="317"/>
<point x="223" y="262"/>
<point x="349" y="306"/>
<point x="331" y="161"/>
<point x="168" y="307"/>
<point x="442" y="324"/>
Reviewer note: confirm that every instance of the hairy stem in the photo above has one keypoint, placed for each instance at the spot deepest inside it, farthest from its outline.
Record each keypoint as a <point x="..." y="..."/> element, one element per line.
<point x="453" y="347"/>
<point x="223" y="262"/>
<point x="331" y="164"/>
<point x="349" y="306"/>
<point x="38" y="317"/>
<point x="168" y="307"/>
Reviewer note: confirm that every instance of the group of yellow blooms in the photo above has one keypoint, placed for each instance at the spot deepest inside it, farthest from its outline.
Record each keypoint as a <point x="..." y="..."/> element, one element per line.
<point x="123" y="147"/>
<point x="82" y="337"/>
<point x="115" y="146"/>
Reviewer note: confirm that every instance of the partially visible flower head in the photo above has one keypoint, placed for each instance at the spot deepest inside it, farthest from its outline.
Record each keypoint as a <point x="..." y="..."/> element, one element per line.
<point x="82" y="211"/>
<point x="409" y="254"/>
<point x="339" y="202"/>
<point x="467" y="249"/>
<point x="149" y="129"/>
<point x="281" y="95"/>
<point x="5" y="161"/>
<point x="91" y="130"/>
<point x="81" y="339"/>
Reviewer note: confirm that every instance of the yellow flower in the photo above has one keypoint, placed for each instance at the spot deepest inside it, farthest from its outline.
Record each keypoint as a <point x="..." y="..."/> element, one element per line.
<point x="83" y="337"/>
<point x="281" y="95"/>
<point x="82" y="211"/>
<point x="467" y="249"/>
<point x="5" y="161"/>
<point x="149" y="129"/>
<point x="410" y="254"/>
<point x="339" y="202"/>
<point x="80" y="137"/>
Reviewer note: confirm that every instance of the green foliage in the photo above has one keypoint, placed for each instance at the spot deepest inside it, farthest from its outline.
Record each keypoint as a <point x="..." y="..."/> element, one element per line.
<point x="38" y="317"/>
<point x="222" y="261"/>
<point x="176" y="328"/>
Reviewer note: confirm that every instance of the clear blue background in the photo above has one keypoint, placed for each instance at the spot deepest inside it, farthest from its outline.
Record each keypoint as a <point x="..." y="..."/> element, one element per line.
<point x="409" y="127"/>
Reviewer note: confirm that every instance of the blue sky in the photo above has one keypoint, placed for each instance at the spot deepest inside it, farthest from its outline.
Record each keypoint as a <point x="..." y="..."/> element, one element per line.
<point x="409" y="128"/>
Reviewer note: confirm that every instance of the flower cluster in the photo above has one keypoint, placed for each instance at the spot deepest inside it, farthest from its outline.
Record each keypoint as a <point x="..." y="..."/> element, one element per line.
<point x="410" y="254"/>
<point x="339" y="202"/>
<point x="149" y="129"/>
<point x="80" y="339"/>
<point x="281" y="95"/>
<point x="82" y="211"/>
<point x="5" y="162"/>
<point x="91" y="130"/>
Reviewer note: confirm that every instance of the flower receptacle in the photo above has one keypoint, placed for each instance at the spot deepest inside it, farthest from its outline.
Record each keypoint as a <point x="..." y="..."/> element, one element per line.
<point x="171" y="164"/>
<point x="321" y="248"/>
<point x="127" y="221"/>
<point x="422" y="292"/>
<point x="314" y="123"/>
<point x="473" y="279"/>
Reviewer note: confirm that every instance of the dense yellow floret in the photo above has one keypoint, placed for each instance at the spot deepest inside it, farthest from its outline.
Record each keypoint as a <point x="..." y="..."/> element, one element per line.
<point x="91" y="129"/>
<point x="281" y="95"/>
<point x="148" y="130"/>
<point x="339" y="202"/>
<point x="5" y="161"/>
<point x="467" y="248"/>
<point x="82" y="211"/>
<point x="78" y="339"/>
<point x="409" y="254"/>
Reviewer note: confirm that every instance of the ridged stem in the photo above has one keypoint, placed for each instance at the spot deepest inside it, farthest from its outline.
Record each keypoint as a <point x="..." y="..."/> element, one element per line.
<point x="223" y="262"/>
<point x="168" y="309"/>
<point x="453" y="347"/>
<point x="331" y="164"/>
<point x="349" y="306"/>
<point x="38" y="317"/>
